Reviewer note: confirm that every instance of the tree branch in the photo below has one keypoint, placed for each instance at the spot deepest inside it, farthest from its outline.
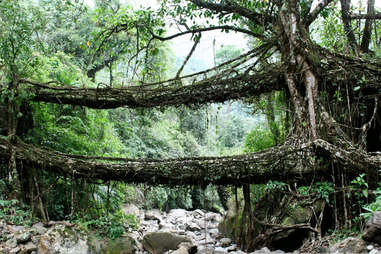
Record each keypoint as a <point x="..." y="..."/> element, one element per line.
<point x="197" y="41"/>
<point x="315" y="12"/>
<point x="231" y="7"/>
<point x="365" y="16"/>
<point x="198" y="30"/>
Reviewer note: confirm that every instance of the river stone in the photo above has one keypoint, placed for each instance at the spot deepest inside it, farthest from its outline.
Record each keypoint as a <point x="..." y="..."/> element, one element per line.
<point x="192" y="227"/>
<point x="231" y="248"/>
<point x="15" y="250"/>
<point x="60" y="239"/>
<point x="198" y="214"/>
<point x="11" y="243"/>
<point x="350" y="245"/>
<point x="153" y="215"/>
<point x="177" y="213"/>
<point x="264" y="250"/>
<point x="23" y="237"/>
<point x="16" y="229"/>
<point x="181" y="250"/>
<point x="205" y="250"/>
<point x="160" y="242"/>
<point x="220" y="250"/>
<point x="28" y="248"/>
<point x="122" y="245"/>
<point x="225" y="242"/>
<point x="39" y="227"/>
<point x="185" y="248"/>
<point x="373" y="229"/>
<point x="374" y="251"/>
<point x="131" y="209"/>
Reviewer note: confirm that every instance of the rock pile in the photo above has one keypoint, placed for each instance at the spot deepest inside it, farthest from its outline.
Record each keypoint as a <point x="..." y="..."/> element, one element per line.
<point x="176" y="232"/>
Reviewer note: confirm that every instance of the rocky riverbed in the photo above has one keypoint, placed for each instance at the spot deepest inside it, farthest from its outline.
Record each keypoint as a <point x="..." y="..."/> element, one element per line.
<point x="176" y="232"/>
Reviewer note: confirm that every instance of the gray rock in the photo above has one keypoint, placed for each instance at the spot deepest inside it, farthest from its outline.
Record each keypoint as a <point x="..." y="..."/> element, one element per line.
<point x="29" y="247"/>
<point x="23" y="237"/>
<point x="16" y="229"/>
<point x="186" y="248"/>
<point x="264" y="250"/>
<point x="177" y="213"/>
<point x="238" y="252"/>
<point x="211" y="216"/>
<point x="214" y="232"/>
<point x="372" y="231"/>
<point x="205" y="250"/>
<point x="278" y="252"/>
<point x="160" y="242"/>
<point x="15" y="250"/>
<point x="225" y="242"/>
<point x="220" y="250"/>
<point x="350" y="245"/>
<point x="198" y="214"/>
<point x="192" y="227"/>
<point x="131" y="209"/>
<point x="369" y="247"/>
<point x="205" y="239"/>
<point x="166" y="226"/>
<point x="202" y="224"/>
<point x="123" y="245"/>
<point x="231" y="248"/>
<point x="61" y="239"/>
<point x="153" y="215"/>
<point x="374" y="251"/>
<point x="181" y="250"/>
<point x="191" y="234"/>
<point x="11" y="243"/>
<point x="40" y="229"/>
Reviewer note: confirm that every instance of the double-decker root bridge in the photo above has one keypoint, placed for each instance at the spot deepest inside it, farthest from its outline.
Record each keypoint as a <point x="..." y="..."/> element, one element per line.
<point x="285" y="163"/>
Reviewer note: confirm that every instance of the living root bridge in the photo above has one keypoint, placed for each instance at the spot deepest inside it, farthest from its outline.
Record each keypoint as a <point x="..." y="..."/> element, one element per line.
<point x="210" y="90"/>
<point x="283" y="163"/>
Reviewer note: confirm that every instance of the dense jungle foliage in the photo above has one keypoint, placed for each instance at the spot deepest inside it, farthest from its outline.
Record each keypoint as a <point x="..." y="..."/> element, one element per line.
<point x="70" y="42"/>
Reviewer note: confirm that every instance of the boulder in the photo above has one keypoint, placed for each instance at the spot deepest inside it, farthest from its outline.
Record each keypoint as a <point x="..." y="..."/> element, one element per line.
<point x="16" y="229"/>
<point x="198" y="214"/>
<point x="350" y="245"/>
<point x="220" y="250"/>
<point x="122" y="245"/>
<point x="23" y="237"/>
<point x="181" y="250"/>
<point x="153" y="215"/>
<point x="177" y="213"/>
<point x="11" y="243"/>
<point x="374" y="251"/>
<point x="28" y="248"/>
<point x="131" y="209"/>
<point x="264" y="250"/>
<point x="192" y="227"/>
<point x="61" y="239"/>
<point x="205" y="250"/>
<point x="186" y="248"/>
<point x="372" y="231"/>
<point x="160" y="242"/>
<point x="15" y="250"/>
<point x="39" y="228"/>
<point x="225" y="242"/>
